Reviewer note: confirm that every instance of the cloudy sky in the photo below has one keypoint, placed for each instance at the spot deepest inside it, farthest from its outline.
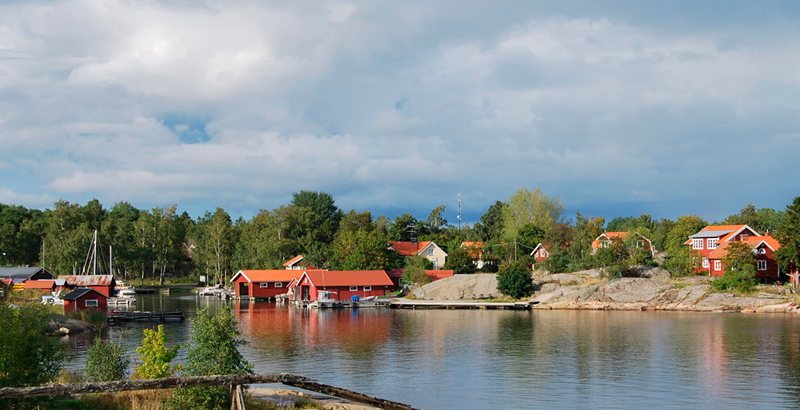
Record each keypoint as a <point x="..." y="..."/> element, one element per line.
<point x="620" y="108"/>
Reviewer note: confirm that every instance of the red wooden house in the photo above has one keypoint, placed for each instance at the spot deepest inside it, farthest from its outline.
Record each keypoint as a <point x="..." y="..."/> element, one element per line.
<point x="345" y="284"/>
<point x="705" y="242"/>
<point x="263" y="284"/>
<point x="540" y="253"/>
<point x="85" y="299"/>
<point x="764" y="248"/>
<point x="607" y="238"/>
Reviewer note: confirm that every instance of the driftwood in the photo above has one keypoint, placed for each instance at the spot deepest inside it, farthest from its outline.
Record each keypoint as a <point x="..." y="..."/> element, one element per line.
<point x="127" y="385"/>
<point x="234" y="380"/>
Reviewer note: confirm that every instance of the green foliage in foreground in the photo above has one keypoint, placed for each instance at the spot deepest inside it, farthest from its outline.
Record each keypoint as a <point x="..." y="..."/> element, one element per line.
<point x="29" y="357"/>
<point x="105" y="362"/>
<point x="214" y="349"/>
<point x="740" y="269"/>
<point x="515" y="280"/>
<point x="155" y="356"/>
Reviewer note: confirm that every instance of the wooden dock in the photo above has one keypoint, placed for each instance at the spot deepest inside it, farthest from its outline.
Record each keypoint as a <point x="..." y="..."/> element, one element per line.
<point x="115" y="317"/>
<point x="457" y="304"/>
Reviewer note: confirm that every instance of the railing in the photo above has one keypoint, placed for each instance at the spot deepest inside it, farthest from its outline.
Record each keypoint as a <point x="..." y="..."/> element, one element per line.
<point x="235" y="381"/>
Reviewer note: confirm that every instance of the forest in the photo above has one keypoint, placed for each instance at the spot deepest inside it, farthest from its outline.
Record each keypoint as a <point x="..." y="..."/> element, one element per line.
<point x="151" y="245"/>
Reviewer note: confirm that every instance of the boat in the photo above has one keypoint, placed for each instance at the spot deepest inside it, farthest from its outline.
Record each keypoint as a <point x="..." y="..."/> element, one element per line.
<point x="124" y="289"/>
<point x="324" y="300"/>
<point x="52" y="300"/>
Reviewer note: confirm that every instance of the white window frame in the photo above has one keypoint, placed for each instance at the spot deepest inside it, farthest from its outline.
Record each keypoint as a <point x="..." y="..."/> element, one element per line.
<point x="543" y="253"/>
<point x="717" y="265"/>
<point x="762" y="264"/>
<point x="93" y="304"/>
<point x="430" y="251"/>
<point x="263" y="285"/>
<point x="640" y="244"/>
<point x="705" y="262"/>
<point x="697" y="243"/>
<point x="711" y="243"/>
<point x="367" y="288"/>
<point x="278" y="284"/>
<point x="605" y="244"/>
<point x="353" y="288"/>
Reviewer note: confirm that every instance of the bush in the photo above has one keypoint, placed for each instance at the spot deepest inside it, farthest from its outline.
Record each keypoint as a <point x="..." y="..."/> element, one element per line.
<point x="414" y="274"/>
<point x="742" y="279"/>
<point x="96" y="317"/>
<point x="105" y="362"/>
<point x="213" y="350"/>
<point x="155" y="356"/>
<point x="29" y="356"/>
<point x="515" y="280"/>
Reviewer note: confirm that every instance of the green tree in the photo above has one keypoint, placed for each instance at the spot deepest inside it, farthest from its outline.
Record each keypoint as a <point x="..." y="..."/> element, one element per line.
<point x="788" y="255"/>
<point x="414" y="273"/>
<point x="105" y="362"/>
<point x="585" y="231"/>
<point x="67" y="237"/>
<point x="530" y="207"/>
<point x="740" y="268"/>
<point x="749" y="216"/>
<point x="362" y="250"/>
<point x="613" y="260"/>
<point x="492" y="222"/>
<point x="681" y="259"/>
<point x="214" y="239"/>
<point x="155" y="358"/>
<point x="530" y="235"/>
<point x="29" y="356"/>
<point x="460" y="261"/>
<point x="436" y="222"/>
<point x="213" y="350"/>
<point x="403" y="228"/>
<point x="515" y="280"/>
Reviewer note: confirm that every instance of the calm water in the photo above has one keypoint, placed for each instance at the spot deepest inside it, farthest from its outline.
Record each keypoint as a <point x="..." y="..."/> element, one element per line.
<point x="473" y="359"/>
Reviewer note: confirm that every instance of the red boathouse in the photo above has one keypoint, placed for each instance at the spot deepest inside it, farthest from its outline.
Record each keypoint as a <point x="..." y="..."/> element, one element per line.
<point x="85" y="299"/>
<point x="345" y="284"/>
<point x="262" y="283"/>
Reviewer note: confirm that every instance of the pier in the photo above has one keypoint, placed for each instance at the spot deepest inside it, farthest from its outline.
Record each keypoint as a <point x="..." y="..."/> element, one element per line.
<point x="115" y="317"/>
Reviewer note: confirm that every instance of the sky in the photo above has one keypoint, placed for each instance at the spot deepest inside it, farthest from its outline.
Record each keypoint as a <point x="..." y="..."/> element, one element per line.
<point x="619" y="108"/>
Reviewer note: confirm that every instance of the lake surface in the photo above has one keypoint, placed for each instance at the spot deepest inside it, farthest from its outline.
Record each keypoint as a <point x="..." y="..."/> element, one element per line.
<point x="479" y="359"/>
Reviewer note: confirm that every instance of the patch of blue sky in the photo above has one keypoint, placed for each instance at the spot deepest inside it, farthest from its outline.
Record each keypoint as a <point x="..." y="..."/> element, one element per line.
<point x="189" y="129"/>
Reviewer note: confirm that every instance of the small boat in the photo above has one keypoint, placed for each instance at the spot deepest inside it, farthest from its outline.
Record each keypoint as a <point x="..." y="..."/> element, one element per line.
<point x="324" y="300"/>
<point x="123" y="289"/>
<point x="52" y="300"/>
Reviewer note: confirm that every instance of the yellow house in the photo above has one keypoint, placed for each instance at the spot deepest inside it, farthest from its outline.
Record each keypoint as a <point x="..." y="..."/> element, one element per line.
<point x="428" y="250"/>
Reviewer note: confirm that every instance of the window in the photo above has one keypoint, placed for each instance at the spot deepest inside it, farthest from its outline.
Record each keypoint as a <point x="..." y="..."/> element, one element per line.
<point x="264" y="284"/>
<point x="367" y="288"/>
<point x="430" y="251"/>
<point x="353" y="288"/>
<point x="278" y="284"/>
<point x="705" y="262"/>
<point x="91" y="302"/>
<point x="762" y="265"/>
<point x="640" y="244"/>
<point x="717" y="265"/>
<point x="697" y="244"/>
<point x="605" y="244"/>
<point x="712" y="243"/>
<point x="543" y="253"/>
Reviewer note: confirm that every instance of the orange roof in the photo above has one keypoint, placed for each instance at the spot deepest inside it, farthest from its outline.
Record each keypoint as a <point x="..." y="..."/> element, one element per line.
<point x="271" y="275"/>
<point x="409" y="248"/>
<point x="475" y="249"/>
<point x="294" y="260"/>
<point x="724" y="236"/>
<point x="439" y="274"/>
<point x="39" y="284"/>
<point x="348" y="278"/>
<point x="610" y="235"/>
<point x="752" y="241"/>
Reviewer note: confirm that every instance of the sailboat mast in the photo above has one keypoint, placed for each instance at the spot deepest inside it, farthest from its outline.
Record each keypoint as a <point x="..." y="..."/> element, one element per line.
<point x="94" y="253"/>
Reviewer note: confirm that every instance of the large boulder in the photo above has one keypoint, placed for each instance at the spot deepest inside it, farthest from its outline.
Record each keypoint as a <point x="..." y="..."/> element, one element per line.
<point x="477" y="286"/>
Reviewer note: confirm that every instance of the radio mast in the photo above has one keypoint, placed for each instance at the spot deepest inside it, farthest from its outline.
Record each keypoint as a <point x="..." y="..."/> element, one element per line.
<point x="459" y="211"/>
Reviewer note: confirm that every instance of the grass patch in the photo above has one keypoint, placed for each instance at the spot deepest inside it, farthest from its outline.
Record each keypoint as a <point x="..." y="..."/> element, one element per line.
<point x="94" y="316"/>
<point x="299" y="403"/>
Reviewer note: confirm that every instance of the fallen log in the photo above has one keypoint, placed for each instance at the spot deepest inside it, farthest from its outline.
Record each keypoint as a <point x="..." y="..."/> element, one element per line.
<point x="347" y="394"/>
<point x="128" y="385"/>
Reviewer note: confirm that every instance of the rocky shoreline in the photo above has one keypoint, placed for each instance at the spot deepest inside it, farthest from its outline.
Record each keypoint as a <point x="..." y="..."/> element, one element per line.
<point x="654" y="290"/>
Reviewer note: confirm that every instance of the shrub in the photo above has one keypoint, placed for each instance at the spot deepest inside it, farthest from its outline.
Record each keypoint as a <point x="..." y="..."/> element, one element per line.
<point x="415" y="271"/>
<point x="29" y="356"/>
<point x="155" y="356"/>
<point x="105" y="362"/>
<point x="515" y="280"/>
<point x="213" y="350"/>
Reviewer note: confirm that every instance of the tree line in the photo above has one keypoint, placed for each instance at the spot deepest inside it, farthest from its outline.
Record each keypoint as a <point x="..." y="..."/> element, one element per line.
<point x="151" y="245"/>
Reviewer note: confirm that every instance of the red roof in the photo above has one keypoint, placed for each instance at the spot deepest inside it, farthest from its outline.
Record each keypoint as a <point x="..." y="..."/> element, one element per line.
<point x="729" y="231"/>
<point x="348" y="278"/>
<point x="432" y="274"/>
<point x="475" y="249"/>
<point x="272" y="275"/>
<point x="409" y="248"/>
<point x="294" y="260"/>
<point x="40" y="284"/>
<point x="88" y="280"/>
<point x="752" y="241"/>
<point x="596" y="244"/>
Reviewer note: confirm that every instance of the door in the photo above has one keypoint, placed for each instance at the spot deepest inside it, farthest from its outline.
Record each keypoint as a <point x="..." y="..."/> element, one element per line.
<point x="305" y="292"/>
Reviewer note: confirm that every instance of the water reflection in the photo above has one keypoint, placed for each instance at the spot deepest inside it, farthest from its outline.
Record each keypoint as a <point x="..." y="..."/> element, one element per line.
<point x="441" y="359"/>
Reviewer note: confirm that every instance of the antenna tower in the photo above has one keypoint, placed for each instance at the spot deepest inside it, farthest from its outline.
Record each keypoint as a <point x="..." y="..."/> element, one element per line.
<point x="459" y="211"/>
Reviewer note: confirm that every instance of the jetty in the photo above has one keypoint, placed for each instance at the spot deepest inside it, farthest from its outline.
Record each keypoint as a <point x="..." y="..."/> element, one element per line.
<point x="115" y="317"/>
<point x="458" y="304"/>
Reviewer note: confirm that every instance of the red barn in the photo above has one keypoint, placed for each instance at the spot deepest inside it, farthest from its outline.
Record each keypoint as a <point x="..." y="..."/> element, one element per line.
<point x="84" y="299"/>
<point x="104" y="284"/>
<point x="262" y="283"/>
<point x="345" y="284"/>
